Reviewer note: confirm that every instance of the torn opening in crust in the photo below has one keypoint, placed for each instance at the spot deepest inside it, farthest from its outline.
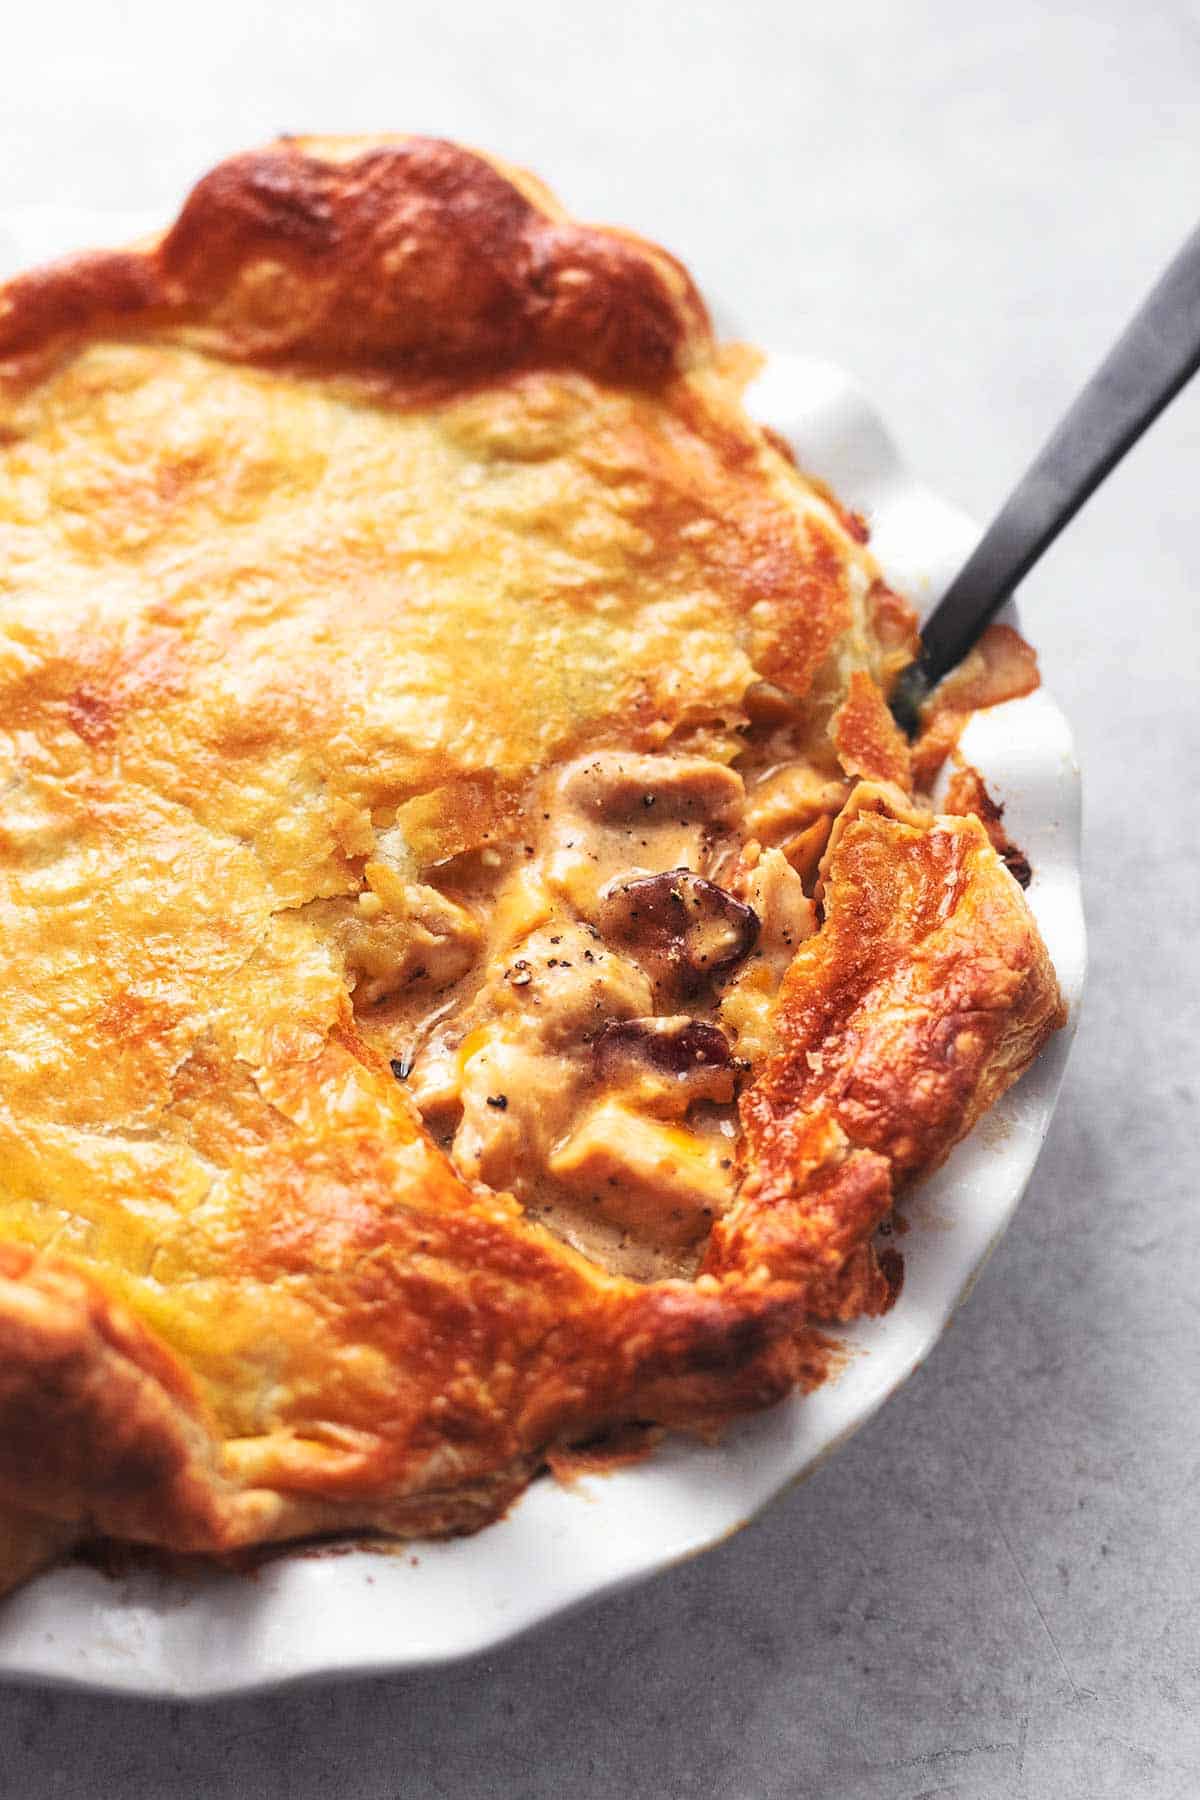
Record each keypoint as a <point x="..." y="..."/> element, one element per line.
<point x="578" y="1013"/>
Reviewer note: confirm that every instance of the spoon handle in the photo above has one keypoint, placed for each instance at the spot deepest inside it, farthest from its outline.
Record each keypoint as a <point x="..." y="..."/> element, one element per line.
<point x="1156" y="354"/>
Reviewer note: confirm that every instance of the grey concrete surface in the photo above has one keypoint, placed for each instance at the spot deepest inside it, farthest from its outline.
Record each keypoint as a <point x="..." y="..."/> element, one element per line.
<point x="994" y="1590"/>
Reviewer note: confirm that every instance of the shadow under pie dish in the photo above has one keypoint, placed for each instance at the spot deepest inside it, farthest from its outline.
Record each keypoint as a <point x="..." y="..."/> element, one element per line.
<point x="479" y="968"/>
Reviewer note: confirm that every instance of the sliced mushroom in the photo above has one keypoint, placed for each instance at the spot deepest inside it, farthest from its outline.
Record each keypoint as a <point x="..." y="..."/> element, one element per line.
<point x="665" y="1063"/>
<point x="684" y="929"/>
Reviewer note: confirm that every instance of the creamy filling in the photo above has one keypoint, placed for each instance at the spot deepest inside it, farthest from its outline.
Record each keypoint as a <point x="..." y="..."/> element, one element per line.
<point x="575" y="1015"/>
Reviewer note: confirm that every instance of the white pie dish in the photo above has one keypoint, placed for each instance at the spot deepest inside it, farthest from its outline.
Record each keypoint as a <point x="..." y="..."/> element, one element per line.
<point x="362" y="1611"/>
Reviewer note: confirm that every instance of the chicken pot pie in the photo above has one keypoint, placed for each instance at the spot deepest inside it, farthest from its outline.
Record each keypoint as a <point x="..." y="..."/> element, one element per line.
<point x="478" y="969"/>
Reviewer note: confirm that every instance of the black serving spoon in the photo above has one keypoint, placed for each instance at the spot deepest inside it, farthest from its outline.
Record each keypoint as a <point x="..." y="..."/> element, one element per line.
<point x="1157" y="353"/>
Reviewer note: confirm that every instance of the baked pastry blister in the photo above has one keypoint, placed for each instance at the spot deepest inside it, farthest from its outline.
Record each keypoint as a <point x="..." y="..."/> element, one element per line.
<point x="479" y="971"/>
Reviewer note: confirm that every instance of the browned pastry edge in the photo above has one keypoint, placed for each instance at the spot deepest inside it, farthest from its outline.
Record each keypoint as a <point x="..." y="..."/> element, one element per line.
<point x="102" y="1434"/>
<point x="925" y="995"/>
<point x="408" y="253"/>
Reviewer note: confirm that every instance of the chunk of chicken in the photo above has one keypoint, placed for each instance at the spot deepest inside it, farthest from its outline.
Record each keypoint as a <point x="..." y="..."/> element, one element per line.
<point x="614" y="815"/>
<point x="615" y="786"/>
<point x="657" y="1179"/>
<point x="398" y="934"/>
<point x="557" y="987"/>
<point x="768" y="884"/>
<point x="516" y="1102"/>
<point x="767" y="881"/>
<point x="524" y="1066"/>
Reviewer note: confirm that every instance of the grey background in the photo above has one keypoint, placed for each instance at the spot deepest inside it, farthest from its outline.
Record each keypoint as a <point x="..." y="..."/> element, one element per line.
<point x="993" y="1591"/>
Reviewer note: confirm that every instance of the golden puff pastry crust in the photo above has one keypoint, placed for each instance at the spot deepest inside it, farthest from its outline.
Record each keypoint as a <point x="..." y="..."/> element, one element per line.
<point x="476" y="974"/>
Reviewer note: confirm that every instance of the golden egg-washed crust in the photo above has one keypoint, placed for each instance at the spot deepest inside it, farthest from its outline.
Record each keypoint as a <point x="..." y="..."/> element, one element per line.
<point x="867" y="739"/>
<point x="370" y="489"/>
<point x="924" y="995"/>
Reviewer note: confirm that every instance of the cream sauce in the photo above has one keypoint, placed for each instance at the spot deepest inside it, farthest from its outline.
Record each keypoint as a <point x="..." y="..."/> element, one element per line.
<point x="574" y="1031"/>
